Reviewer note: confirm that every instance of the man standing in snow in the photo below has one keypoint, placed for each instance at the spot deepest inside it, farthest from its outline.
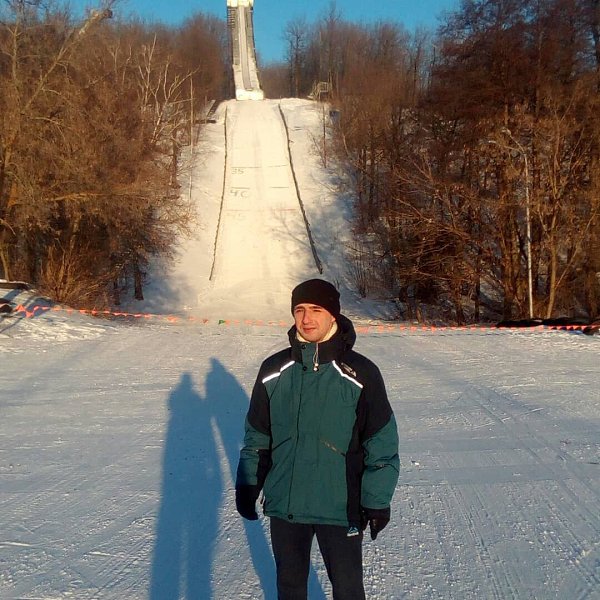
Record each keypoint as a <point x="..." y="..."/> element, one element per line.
<point x="321" y="443"/>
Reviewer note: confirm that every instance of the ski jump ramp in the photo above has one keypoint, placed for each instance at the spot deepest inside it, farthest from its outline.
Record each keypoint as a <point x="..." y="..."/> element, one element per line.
<point x="262" y="248"/>
<point x="241" y="34"/>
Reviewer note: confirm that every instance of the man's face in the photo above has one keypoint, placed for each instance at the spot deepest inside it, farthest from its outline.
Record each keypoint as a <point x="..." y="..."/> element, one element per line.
<point x="312" y="321"/>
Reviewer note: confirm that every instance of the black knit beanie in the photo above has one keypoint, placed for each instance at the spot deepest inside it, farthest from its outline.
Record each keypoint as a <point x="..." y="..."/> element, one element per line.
<point x="319" y="292"/>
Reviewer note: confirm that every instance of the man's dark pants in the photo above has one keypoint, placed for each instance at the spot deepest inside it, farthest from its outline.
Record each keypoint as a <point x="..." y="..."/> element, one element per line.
<point x="342" y="556"/>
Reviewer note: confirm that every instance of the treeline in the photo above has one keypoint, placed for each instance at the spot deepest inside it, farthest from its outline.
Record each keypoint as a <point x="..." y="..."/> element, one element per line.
<point x="93" y="117"/>
<point x="474" y="153"/>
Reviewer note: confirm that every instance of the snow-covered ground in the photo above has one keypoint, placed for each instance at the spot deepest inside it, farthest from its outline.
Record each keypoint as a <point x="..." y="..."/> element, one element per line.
<point x="119" y="438"/>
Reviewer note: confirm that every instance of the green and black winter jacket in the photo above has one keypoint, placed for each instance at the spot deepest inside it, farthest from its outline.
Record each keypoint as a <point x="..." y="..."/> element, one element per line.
<point x="321" y="439"/>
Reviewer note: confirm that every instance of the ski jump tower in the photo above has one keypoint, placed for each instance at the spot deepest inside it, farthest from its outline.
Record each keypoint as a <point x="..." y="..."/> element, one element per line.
<point x="243" y="54"/>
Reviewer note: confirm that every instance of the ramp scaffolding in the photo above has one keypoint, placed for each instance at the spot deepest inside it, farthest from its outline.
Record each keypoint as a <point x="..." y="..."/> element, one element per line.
<point x="243" y="54"/>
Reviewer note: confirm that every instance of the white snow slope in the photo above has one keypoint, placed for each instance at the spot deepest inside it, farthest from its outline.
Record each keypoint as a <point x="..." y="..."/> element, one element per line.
<point x="119" y="439"/>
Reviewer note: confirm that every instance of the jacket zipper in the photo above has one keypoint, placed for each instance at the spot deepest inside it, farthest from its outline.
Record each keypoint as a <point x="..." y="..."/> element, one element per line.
<point x="296" y="443"/>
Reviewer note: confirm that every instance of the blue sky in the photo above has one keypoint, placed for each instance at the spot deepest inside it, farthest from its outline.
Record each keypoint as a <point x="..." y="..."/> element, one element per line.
<point x="271" y="16"/>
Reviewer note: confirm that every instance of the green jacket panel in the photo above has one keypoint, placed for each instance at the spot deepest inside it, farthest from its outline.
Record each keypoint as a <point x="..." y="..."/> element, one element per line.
<point x="313" y="414"/>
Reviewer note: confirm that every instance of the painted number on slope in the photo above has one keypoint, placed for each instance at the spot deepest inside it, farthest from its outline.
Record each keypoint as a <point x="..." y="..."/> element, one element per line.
<point x="240" y="192"/>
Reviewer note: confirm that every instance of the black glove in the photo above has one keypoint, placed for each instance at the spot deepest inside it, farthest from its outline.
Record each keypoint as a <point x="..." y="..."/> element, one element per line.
<point x="245" y="501"/>
<point x="376" y="518"/>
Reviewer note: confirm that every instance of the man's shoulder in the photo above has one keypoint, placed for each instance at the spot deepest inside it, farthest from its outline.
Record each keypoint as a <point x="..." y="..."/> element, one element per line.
<point x="361" y="368"/>
<point x="276" y="361"/>
<point x="359" y="362"/>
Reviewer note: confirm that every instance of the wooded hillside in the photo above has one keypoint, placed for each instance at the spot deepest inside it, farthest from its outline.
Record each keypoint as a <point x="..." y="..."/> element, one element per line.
<point x="93" y="117"/>
<point x="474" y="153"/>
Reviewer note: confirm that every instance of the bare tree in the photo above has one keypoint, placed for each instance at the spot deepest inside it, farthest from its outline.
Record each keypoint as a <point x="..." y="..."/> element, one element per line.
<point x="27" y="85"/>
<point x="296" y="37"/>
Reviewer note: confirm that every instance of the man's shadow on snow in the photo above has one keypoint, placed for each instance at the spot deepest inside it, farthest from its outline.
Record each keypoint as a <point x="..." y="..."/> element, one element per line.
<point x="190" y="498"/>
<point x="193" y="491"/>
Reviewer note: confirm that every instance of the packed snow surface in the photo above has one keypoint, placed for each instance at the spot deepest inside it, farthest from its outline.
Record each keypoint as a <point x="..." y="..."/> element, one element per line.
<point x="119" y="439"/>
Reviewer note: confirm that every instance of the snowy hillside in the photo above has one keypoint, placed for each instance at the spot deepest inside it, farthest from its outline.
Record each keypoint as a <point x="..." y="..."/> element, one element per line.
<point x="252" y="245"/>
<point x="119" y="438"/>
